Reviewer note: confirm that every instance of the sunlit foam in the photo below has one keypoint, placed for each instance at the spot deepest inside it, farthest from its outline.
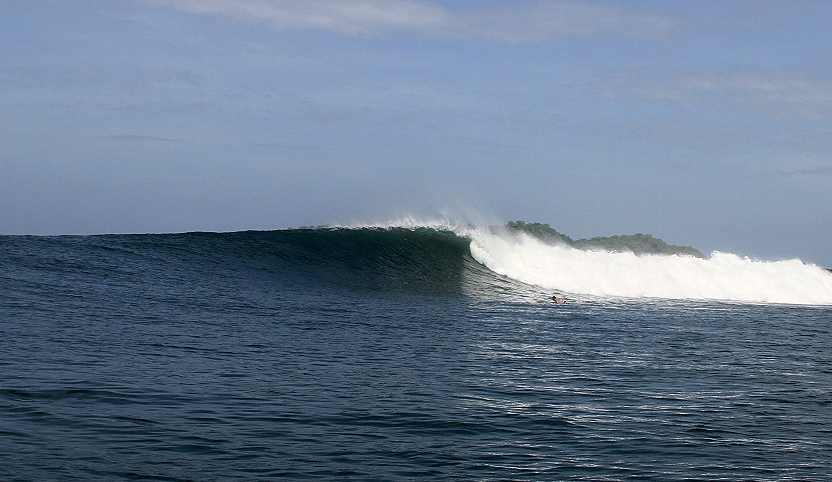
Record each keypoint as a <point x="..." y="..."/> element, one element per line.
<point x="723" y="276"/>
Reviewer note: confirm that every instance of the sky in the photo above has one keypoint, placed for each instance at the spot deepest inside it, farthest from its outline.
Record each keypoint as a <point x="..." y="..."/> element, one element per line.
<point x="704" y="123"/>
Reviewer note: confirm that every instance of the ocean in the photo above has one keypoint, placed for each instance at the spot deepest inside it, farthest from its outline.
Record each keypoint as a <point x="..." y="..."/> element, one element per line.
<point x="406" y="353"/>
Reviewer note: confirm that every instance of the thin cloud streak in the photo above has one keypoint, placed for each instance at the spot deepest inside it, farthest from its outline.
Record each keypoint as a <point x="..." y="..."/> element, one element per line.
<point x="780" y="94"/>
<point x="139" y="138"/>
<point x="526" y="22"/>
<point x="542" y="20"/>
<point x="357" y="17"/>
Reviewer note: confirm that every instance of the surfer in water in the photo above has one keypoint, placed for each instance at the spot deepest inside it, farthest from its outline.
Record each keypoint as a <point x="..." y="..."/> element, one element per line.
<point x="558" y="300"/>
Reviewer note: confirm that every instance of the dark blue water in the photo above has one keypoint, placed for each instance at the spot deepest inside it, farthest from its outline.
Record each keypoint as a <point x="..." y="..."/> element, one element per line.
<point x="384" y="355"/>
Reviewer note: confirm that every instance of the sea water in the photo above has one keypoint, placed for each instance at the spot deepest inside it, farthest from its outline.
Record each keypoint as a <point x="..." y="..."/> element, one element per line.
<point x="402" y="354"/>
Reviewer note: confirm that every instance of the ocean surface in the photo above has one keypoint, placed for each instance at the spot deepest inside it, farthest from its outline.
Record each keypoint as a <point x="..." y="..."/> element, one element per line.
<point x="406" y="353"/>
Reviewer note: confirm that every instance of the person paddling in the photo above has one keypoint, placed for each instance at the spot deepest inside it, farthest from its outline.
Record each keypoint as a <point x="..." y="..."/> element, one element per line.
<point x="558" y="300"/>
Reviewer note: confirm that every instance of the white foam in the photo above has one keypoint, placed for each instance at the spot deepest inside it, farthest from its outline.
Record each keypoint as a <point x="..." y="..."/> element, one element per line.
<point x="723" y="276"/>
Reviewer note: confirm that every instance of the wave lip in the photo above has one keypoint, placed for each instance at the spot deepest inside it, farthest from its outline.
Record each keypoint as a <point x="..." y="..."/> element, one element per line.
<point x="722" y="276"/>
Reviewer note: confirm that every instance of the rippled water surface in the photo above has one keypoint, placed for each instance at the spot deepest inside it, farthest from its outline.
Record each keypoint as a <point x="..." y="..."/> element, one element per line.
<point x="128" y="365"/>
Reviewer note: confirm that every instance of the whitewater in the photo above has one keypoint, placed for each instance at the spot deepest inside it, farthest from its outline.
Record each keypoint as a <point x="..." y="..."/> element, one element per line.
<point x="567" y="270"/>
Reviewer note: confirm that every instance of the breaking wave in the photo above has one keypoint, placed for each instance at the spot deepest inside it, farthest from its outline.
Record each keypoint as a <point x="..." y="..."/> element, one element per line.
<point x="415" y="257"/>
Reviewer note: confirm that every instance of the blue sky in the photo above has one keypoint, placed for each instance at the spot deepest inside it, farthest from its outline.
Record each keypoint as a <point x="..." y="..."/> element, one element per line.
<point x="706" y="123"/>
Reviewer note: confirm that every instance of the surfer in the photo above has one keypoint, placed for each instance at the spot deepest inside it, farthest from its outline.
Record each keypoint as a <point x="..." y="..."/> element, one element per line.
<point x="558" y="300"/>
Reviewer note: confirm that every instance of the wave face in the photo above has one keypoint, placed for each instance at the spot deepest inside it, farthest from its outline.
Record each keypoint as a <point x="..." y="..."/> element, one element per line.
<point x="723" y="276"/>
<point x="413" y="259"/>
<point x="404" y="259"/>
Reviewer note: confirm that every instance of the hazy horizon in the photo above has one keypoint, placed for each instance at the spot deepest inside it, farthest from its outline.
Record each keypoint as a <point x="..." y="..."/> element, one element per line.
<point x="704" y="124"/>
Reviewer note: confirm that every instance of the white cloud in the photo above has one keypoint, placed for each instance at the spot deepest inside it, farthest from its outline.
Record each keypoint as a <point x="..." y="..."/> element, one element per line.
<point x="522" y="22"/>
<point x="362" y="17"/>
